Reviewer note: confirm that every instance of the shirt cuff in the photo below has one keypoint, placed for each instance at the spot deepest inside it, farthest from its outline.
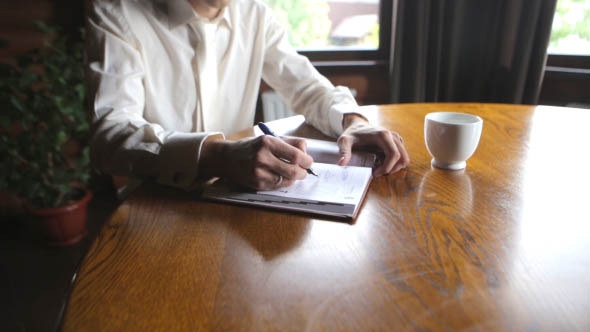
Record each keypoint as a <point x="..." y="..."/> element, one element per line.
<point x="179" y="159"/>
<point x="336" y="115"/>
<point x="342" y="103"/>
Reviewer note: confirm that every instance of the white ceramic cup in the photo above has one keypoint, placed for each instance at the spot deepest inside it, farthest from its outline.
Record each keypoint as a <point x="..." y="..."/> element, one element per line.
<point x="451" y="138"/>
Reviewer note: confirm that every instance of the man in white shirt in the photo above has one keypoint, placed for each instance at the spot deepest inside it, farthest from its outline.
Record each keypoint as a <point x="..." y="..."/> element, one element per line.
<point x="168" y="79"/>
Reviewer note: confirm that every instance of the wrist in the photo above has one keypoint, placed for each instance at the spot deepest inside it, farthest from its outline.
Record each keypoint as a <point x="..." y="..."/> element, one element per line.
<point x="350" y="119"/>
<point x="212" y="160"/>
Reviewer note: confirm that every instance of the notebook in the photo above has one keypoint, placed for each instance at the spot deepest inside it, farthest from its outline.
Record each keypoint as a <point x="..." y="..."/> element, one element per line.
<point x="337" y="191"/>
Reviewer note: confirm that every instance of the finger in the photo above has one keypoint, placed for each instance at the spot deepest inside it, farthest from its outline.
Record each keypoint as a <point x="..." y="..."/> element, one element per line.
<point x="404" y="160"/>
<point x="299" y="143"/>
<point x="264" y="179"/>
<point x="287" y="170"/>
<point x="282" y="159"/>
<point x="285" y="151"/>
<point x="384" y="140"/>
<point x="285" y="183"/>
<point x="345" y="146"/>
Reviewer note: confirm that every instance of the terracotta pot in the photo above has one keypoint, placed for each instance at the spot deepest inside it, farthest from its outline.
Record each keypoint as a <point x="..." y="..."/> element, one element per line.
<point x="65" y="225"/>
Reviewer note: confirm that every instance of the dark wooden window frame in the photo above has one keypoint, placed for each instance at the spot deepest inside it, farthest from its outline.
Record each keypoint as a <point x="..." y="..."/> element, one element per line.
<point x="566" y="80"/>
<point x="568" y="61"/>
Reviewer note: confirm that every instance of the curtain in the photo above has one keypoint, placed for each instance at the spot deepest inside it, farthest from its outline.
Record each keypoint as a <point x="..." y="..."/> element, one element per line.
<point x="465" y="50"/>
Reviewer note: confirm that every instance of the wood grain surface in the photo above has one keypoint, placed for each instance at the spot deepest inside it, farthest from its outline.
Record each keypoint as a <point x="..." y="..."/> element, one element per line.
<point x="500" y="246"/>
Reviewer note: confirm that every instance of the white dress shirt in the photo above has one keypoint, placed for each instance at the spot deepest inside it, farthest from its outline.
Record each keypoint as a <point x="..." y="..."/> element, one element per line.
<point x="162" y="79"/>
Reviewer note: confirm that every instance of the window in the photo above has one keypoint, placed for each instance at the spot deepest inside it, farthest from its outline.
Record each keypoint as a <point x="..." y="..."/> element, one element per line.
<point x="567" y="75"/>
<point x="569" y="45"/>
<point x="570" y="33"/>
<point x="332" y="30"/>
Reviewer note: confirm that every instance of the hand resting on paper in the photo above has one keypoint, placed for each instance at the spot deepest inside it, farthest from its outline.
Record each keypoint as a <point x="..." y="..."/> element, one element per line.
<point x="259" y="163"/>
<point x="359" y="132"/>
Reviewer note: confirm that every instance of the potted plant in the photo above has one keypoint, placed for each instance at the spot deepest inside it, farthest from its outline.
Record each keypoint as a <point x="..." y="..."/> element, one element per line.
<point x="43" y="136"/>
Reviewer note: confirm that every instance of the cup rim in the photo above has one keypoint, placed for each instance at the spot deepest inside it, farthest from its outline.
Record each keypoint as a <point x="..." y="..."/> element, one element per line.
<point x="473" y="119"/>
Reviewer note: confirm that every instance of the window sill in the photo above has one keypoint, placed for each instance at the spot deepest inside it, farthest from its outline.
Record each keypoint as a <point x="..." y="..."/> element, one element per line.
<point x="350" y="64"/>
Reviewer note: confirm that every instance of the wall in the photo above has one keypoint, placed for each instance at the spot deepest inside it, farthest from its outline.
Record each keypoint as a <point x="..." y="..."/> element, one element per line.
<point x="16" y="17"/>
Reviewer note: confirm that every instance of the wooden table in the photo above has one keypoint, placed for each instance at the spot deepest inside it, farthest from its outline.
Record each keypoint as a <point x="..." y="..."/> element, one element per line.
<point x="502" y="246"/>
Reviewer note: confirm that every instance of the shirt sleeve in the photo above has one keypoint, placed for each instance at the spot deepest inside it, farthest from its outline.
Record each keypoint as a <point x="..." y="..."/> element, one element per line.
<point x="302" y="87"/>
<point x="123" y="142"/>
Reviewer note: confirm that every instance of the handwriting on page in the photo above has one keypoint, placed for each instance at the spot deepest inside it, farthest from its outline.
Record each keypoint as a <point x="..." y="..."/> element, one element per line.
<point x="333" y="184"/>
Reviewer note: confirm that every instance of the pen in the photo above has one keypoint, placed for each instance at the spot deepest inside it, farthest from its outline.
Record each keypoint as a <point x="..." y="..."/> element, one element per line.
<point x="267" y="131"/>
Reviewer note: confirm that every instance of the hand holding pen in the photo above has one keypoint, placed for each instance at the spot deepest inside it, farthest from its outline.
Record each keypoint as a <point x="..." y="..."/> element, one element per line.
<point x="259" y="163"/>
<point x="268" y="131"/>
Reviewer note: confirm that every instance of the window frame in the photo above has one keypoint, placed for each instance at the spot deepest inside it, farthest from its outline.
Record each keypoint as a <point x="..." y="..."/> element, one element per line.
<point x="568" y="61"/>
<point x="566" y="80"/>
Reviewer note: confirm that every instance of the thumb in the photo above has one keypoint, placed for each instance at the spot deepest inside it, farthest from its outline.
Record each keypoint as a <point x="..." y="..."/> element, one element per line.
<point x="345" y="147"/>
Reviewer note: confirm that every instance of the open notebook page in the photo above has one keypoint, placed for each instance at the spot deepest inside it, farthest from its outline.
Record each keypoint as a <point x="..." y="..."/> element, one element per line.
<point x="328" y="153"/>
<point x="336" y="184"/>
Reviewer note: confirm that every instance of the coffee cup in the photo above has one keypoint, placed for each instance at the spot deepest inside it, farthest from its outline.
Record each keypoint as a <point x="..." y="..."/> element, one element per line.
<point x="451" y="138"/>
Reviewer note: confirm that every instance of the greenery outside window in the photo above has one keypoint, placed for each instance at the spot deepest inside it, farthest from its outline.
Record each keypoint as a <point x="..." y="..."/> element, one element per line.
<point x="571" y="28"/>
<point x="569" y="45"/>
<point x="337" y="30"/>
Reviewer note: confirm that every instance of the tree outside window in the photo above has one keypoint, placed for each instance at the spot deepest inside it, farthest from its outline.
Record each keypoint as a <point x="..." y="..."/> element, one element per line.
<point x="571" y="28"/>
<point x="329" y="24"/>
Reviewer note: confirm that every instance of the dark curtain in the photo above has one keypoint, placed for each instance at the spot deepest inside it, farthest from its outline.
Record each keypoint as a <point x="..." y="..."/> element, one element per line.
<point x="466" y="50"/>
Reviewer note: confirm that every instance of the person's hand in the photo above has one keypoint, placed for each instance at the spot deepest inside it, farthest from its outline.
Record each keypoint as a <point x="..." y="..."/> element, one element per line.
<point x="261" y="163"/>
<point x="358" y="132"/>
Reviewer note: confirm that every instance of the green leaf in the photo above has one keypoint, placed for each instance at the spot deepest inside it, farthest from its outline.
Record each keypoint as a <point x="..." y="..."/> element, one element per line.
<point x="61" y="138"/>
<point x="58" y="101"/>
<point x="32" y="189"/>
<point x="17" y="103"/>
<point x="41" y="26"/>
<point x="68" y="110"/>
<point x="63" y="188"/>
<point x="84" y="159"/>
<point x="82" y="127"/>
<point x="81" y="91"/>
